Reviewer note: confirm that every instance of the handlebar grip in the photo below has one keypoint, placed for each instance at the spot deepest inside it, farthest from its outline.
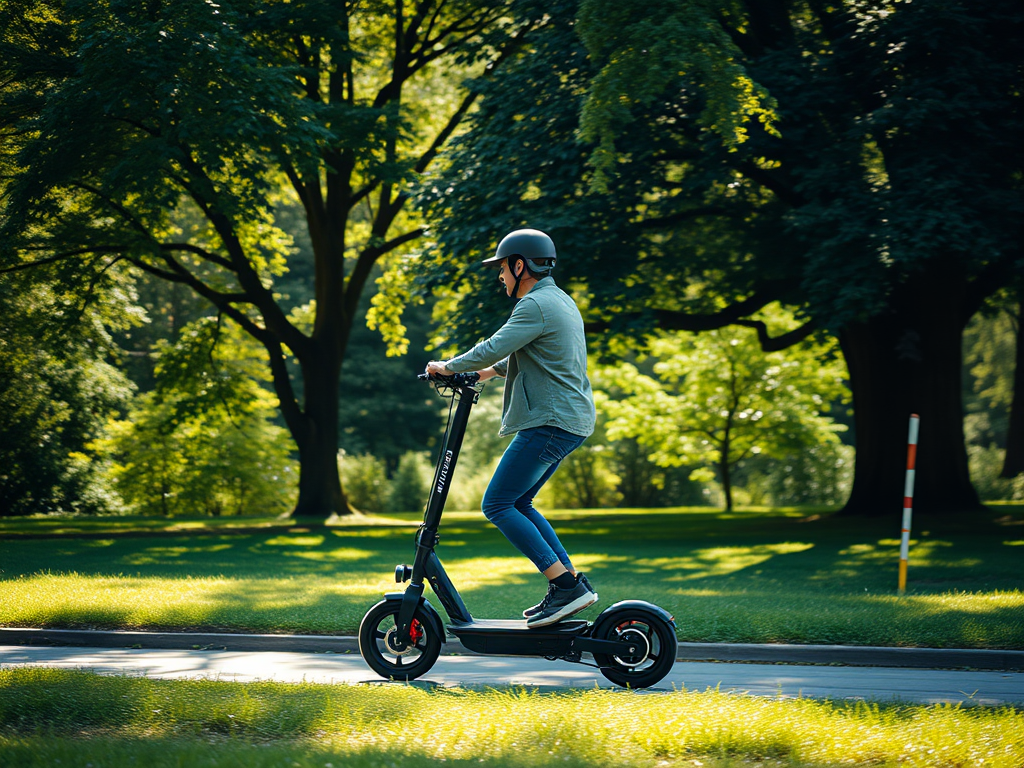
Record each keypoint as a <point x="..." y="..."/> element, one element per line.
<point x="455" y="380"/>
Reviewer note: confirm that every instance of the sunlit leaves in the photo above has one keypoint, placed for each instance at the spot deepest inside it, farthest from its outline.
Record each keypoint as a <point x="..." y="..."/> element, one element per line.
<point x="204" y="439"/>
<point x="715" y="398"/>
<point x="643" y="52"/>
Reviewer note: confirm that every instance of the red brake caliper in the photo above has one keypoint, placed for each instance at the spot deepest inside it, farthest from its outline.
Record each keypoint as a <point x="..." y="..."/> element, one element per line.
<point x="415" y="631"/>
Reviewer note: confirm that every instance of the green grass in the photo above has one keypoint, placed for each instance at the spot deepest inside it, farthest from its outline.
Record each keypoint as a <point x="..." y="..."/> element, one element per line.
<point x="77" y="718"/>
<point x="750" y="576"/>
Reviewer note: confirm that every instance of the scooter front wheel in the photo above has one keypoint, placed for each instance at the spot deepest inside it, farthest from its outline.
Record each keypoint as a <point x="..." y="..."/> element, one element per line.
<point x="655" y="643"/>
<point x="385" y="655"/>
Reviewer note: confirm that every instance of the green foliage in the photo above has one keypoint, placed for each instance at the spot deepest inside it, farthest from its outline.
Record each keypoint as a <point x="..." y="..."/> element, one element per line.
<point x="584" y="480"/>
<point x="384" y="409"/>
<point x="57" y="388"/>
<point x="818" y="475"/>
<point x="204" y="440"/>
<point x="175" y="137"/>
<point x="990" y="356"/>
<point x="717" y="399"/>
<point x="410" y="484"/>
<point x="366" y="481"/>
<point x="641" y="51"/>
<point x="874" y="203"/>
<point x="986" y="463"/>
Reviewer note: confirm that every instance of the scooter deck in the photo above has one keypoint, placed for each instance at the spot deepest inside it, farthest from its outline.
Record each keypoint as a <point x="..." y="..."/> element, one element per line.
<point x="511" y="637"/>
<point x="572" y="626"/>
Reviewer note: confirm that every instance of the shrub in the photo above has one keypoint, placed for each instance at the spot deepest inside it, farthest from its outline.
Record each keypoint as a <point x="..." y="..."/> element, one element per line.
<point x="584" y="480"/>
<point x="410" y="484"/>
<point x="365" y="480"/>
<point x="986" y="464"/>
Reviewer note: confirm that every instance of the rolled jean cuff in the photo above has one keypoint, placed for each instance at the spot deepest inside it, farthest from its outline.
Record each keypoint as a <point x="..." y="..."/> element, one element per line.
<point x="545" y="562"/>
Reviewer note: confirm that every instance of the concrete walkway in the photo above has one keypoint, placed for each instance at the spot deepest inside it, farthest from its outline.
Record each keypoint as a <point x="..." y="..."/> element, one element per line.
<point x="882" y="684"/>
<point x="774" y="653"/>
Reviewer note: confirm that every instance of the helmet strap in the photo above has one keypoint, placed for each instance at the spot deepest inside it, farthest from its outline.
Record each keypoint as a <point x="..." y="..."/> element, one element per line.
<point x="515" y="288"/>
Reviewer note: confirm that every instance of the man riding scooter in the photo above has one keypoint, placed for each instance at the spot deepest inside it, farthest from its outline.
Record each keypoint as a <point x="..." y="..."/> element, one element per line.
<point x="542" y="353"/>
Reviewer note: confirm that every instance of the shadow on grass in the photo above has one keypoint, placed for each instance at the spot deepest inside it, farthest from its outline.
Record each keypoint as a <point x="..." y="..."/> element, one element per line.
<point x="742" y="577"/>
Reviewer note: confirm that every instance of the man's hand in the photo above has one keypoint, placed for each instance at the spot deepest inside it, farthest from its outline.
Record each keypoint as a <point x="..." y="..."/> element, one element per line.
<point x="437" y="368"/>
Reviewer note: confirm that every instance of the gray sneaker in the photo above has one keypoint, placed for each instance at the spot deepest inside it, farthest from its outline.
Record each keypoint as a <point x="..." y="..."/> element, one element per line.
<point x="560" y="604"/>
<point x="581" y="578"/>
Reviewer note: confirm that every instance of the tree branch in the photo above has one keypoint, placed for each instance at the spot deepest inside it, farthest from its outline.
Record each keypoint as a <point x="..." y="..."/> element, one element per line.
<point x="778" y="343"/>
<point x="61" y="256"/>
<point x="674" y="320"/>
<point x="453" y="122"/>
<point x="364" y="265"/>
<point x="200" y="252"/>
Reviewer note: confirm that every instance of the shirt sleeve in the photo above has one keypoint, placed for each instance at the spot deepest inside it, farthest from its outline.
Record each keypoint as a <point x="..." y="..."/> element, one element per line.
<point x="501" y="367"/>
<point x="523" y="326"/>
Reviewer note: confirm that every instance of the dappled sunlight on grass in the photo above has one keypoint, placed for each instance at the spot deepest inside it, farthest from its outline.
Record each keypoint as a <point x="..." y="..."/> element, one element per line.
<point x="294" y="541"/>
<point x="342" y="553"/>
<point x="750" y="577"/>
<point x="169" y="555"/>
<point x="377" y="533"/>
<point x="719" y="561"/>
<point x="68" y="717"/>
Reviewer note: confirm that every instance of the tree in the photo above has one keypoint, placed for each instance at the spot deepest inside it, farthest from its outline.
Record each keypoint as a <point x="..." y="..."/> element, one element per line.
<point x="203" y="440"/>
<point x="716" y="399"/>
<point x="57" y="389"/>
<point x="823" y="156"/>
<point x="992" y="353"/>
<point x="165" y="136"/>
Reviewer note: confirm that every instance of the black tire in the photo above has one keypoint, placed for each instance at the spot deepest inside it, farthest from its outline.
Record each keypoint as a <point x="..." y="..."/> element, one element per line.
<point x="384" y="660"/>
<point x="655" y="660"/>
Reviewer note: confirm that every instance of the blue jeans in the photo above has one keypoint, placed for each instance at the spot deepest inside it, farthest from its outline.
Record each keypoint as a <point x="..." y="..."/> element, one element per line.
<point x="530" y="459"/>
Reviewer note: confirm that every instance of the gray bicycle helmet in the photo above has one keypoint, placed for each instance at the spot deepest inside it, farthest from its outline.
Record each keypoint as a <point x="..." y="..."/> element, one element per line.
<point x="532" y="246"/>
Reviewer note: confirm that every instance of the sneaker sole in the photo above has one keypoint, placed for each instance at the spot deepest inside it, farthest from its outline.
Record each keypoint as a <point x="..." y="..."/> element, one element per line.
<point x="528" y="612"/>
<point x="577" y="605"/>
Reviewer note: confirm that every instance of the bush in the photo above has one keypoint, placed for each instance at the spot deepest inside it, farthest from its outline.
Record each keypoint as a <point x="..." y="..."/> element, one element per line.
<point x="214" y="462"/>
<point x="821" y="474"/>
<point x="986" y="464"/>
<point x="365" y="480"/>
<point x="584" y="480"/>
<point x="468" y="486"/>
<point x="410" y="484"/>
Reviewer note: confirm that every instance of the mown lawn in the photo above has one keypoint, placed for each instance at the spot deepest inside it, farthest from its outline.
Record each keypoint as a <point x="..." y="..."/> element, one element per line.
<point x="57" y="717"/>
<point x="781" y="575"/>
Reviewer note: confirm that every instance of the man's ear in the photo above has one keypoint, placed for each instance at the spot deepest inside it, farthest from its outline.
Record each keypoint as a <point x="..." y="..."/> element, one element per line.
<point x="518" y="269"/>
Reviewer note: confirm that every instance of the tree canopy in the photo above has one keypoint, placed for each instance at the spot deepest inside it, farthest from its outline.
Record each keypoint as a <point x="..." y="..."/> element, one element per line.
<point x="715" y="399"/>
<point x="167" y="136"/>
<point x="866" y="169"/>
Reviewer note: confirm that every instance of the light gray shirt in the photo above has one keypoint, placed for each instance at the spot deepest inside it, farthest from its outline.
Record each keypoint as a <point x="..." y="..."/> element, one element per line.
<point x="542" y="353"/>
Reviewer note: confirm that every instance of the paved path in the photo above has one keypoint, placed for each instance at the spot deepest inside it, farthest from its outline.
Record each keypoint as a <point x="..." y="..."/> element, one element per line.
<point x="820" y="682"/>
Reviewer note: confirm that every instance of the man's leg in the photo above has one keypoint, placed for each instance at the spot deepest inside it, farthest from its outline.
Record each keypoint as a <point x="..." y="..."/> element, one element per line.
<point x="525" y="506"/>
<point x="520" y="469"/>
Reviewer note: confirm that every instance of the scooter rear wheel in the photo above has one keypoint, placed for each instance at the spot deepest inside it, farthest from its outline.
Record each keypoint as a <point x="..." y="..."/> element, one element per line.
<point x="656" y="645"/>
<point x="378" y="639"/>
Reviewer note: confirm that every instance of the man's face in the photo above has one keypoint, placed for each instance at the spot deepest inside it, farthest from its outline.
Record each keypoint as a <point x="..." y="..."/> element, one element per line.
<point x="506" y="278"/>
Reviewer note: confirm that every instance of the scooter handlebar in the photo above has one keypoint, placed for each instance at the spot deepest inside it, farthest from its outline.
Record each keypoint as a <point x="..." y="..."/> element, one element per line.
<point x="455" y="380"/>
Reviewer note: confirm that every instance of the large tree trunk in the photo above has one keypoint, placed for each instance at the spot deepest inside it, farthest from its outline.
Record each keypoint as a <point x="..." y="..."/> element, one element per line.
<point x="1013" y="464"/>
<point x="906" y="361"/>
<point x="320" y="491"/>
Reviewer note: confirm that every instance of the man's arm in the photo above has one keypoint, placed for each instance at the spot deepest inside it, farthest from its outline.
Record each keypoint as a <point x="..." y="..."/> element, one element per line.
<point x="525" y="325"/>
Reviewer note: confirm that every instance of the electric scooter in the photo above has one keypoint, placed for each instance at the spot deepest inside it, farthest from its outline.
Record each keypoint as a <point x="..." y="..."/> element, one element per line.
<point x="633" y="643"/>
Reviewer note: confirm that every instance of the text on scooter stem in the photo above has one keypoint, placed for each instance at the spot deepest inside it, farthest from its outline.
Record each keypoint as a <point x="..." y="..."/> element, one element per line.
<point x="443" y="478"/>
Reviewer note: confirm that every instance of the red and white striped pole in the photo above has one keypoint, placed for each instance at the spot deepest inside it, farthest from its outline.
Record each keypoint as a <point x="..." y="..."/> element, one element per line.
<point x="908" y="499"/>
